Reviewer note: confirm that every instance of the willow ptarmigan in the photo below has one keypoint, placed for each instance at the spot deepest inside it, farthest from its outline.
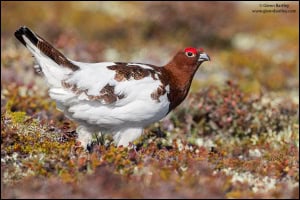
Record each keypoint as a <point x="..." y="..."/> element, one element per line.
<point x="113" y="97"/>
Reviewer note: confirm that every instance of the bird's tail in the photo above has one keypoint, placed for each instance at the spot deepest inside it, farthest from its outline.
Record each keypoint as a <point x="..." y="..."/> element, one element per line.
<point x="53" y="63"/>
<point x="33" y="42"/>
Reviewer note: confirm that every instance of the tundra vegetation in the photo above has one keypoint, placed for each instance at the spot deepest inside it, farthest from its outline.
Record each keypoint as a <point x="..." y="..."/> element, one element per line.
<point x="235" y="136"/>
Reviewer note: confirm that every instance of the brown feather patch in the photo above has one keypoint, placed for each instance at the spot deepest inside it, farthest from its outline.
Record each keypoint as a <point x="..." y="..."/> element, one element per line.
<point x="125" y="72"/>
<point x="106" y="94"/>
<point x="161" y="90"/>
<point x="54" y="54"/>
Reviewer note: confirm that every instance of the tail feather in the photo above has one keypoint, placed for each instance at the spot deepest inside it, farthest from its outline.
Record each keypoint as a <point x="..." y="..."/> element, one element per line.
<point x="30" y="35"/>
<point x="26" y="36"/>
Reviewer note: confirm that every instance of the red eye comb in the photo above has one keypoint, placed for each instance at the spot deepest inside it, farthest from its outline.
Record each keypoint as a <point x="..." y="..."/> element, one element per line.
<point x="191" y="49"/>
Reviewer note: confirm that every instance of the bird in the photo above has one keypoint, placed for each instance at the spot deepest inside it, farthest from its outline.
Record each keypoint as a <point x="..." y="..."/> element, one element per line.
<point x="117" y="98"/>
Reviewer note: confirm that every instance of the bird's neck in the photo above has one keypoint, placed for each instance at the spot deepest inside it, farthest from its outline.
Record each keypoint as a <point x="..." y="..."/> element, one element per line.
<point x="180" y="82"/>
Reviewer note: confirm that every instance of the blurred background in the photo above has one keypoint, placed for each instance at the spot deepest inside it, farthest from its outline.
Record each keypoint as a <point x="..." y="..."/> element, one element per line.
<point x="259" y="51"/>
<point x="251" y="135"/>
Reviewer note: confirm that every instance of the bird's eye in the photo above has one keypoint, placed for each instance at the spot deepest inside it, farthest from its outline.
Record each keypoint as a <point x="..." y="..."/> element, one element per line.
<point x="190" y="54"/>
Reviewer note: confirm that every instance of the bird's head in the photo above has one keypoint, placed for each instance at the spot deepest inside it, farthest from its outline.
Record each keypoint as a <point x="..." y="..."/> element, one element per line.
<point x="194" y="56"/>
<point x="189" y="59"/>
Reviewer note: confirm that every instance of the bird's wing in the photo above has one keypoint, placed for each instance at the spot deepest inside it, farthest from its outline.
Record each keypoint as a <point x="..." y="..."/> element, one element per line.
<point x="108" y="93"/>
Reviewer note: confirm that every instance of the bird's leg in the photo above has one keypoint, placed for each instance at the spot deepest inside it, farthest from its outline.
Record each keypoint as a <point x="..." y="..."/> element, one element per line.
<point x="125" y="136"/>
<point x="84" y="136"/>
